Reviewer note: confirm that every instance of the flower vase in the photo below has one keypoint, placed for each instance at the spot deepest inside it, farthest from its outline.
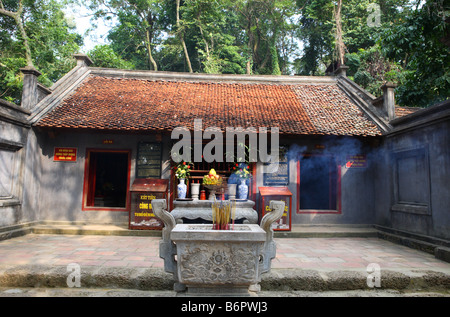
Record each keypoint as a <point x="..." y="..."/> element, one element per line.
<point x="195" y="190"/>
<point x="242" y="190"/>
<point x="181" y="189"/>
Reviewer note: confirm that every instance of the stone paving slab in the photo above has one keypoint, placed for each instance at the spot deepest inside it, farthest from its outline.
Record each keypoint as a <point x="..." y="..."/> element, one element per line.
<point x="127" y="251"/>
<point x="111" y="292"/>
<point x="313" y="264"/>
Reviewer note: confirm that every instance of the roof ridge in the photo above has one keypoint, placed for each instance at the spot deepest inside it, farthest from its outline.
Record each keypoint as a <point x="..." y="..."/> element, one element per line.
<point x="213" y="78"/>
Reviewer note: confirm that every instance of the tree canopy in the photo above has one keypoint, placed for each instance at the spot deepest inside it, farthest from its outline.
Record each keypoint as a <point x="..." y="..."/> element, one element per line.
<point x="417" y="44"/>
<point x="50" y="40"/>
<point x="403" y="41"/>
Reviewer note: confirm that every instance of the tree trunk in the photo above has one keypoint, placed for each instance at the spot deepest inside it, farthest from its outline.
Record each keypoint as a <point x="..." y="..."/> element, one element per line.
<point x="17" y="18"/>
<point x="149" y="37"/>
<point x="339" y="42"/>
<point x="203" y="36"/>
<point x="181" y="35"/>
<point x="25" y="41"/>
<point x="188" y="61"/>
<point x="274" y="53"/>
<point x="149" y="49"/>
<point x="249" y="67"/>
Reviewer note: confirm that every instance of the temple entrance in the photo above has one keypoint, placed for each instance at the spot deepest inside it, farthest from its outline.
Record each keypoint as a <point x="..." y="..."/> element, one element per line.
<point x="318" y="183"/>
<point x="107" y="179"/>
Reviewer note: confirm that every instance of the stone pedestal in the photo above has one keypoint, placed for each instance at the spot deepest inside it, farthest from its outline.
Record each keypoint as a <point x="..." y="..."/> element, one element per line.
<point x="217" y="262"/>
<point x="222" y="262"/>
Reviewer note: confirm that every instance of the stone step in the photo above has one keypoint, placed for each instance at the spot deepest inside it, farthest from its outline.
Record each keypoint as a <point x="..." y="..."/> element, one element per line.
<point x="153" y="279"/>
<point x="439" y="247"/>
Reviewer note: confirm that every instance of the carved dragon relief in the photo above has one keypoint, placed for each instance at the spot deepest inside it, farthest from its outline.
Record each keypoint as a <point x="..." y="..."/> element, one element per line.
<point x="269" y="252"/>
<point x="167" y="249"/>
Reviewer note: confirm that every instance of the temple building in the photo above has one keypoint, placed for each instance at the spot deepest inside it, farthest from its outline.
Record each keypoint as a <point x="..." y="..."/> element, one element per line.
<point x="75" y="151"/>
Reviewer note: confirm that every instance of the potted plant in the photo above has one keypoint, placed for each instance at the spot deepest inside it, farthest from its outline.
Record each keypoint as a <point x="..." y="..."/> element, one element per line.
<point x="242" y="172"/>
<point x="182" y="172"/>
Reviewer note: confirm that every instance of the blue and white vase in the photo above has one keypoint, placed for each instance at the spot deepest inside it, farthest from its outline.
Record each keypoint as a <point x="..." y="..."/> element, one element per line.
<point x="181" y="189"/>
<point x="242" y="190"/>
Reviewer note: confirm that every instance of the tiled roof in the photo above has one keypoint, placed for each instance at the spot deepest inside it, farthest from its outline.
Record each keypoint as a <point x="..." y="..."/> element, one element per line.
<point x="141" y="105"/>
<point x="404" y="111"/>
<point x="331" y="112"/>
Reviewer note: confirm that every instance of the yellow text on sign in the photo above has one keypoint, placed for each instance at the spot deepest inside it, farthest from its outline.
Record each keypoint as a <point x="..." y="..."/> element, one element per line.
<point x="147" y="197"/>
<point x="144" y="214"/>
<point x="268" y="208"/>
<point x="145" y="206"/>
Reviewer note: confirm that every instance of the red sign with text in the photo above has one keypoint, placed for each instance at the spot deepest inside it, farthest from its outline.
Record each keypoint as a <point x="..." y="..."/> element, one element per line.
<point x="65" y="154"/>
<point x="356" y="161"/>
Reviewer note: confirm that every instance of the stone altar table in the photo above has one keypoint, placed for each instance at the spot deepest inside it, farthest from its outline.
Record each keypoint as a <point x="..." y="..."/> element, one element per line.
<point x="197" y="210"/>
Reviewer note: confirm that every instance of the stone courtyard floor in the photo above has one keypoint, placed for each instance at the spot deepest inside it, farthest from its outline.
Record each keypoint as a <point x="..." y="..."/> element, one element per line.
<point x="292" y="253"/>
<point x="301" y="265"/>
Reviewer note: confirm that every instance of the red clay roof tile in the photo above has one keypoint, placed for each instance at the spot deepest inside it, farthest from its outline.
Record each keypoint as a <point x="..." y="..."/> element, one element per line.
<point x="142" y="105"/>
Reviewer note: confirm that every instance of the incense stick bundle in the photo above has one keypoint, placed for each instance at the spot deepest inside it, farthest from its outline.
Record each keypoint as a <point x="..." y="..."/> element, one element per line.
<point x="214" y="215"/>
<point x="222" y="214"/>
<point x="233" y="212"/>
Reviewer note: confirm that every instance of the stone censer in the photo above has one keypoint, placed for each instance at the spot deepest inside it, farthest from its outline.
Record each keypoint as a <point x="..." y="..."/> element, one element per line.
<point x="211" y="262"/>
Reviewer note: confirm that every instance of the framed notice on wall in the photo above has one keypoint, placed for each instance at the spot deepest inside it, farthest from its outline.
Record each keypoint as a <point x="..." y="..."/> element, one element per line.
<point x="277" y="174"/>
<point x="148" y="164"/>
<point x="65" y="154"/>
<point x="279" y="177"/>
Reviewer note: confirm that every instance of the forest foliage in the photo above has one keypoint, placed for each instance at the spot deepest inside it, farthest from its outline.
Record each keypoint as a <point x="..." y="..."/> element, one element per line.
<point x="403" y="41"/>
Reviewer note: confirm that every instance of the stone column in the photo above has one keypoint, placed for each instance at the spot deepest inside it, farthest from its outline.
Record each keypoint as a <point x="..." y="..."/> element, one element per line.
<point x="341" y="71"/>
<point x="82" y="59"/>
<point x="389" y="99"/>
<point x="29" y="91"/>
